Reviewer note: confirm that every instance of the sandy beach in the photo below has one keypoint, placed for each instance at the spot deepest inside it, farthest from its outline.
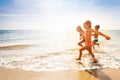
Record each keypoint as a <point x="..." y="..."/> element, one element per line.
<point x="18" y="74"/>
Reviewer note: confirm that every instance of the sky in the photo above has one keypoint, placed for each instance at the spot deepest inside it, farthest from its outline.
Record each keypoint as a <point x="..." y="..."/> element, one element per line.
<point x="58" y="14"/>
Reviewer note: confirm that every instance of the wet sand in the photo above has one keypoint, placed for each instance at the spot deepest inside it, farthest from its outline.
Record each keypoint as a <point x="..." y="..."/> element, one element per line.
<point x="18" y="74"/>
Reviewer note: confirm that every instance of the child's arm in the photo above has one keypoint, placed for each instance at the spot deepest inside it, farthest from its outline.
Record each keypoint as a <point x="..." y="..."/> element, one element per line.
<point x="81" y="37"/>
<point x="100" y="33"/>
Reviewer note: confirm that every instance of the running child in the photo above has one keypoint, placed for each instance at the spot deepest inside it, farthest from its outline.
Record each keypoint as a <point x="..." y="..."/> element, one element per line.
<point x="81" y="32"/>
<point x="95" y="41"/>
<point x="88" y="42"/>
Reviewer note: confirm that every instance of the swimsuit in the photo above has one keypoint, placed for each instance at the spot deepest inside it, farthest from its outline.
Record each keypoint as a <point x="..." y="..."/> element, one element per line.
<point x="95" y="40"/>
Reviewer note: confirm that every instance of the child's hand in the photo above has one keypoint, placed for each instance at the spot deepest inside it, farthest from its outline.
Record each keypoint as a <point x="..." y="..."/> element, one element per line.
<point x="107" y="37"/>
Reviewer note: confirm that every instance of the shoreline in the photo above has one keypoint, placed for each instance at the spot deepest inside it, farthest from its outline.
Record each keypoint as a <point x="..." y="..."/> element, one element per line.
<point x="98" y="74"/>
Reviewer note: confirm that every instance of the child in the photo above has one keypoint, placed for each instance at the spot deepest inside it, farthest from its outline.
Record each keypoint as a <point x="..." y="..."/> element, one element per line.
<point x="81" y="32"/>
<point x="95" y="41"/>
<point x="88" y="43"/>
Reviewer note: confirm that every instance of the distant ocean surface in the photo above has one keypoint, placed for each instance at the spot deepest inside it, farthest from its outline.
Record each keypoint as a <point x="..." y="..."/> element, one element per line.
<point x="50" y="51"/>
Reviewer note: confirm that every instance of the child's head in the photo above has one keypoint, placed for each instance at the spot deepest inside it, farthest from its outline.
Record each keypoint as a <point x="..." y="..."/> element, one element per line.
<point x="97" y="27"/>
<point x="78" y="29"/>
<point x="87" y="24"/>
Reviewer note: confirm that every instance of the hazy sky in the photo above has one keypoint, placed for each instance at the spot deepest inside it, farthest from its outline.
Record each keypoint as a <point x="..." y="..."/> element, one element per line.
<point x="58" y="14"/>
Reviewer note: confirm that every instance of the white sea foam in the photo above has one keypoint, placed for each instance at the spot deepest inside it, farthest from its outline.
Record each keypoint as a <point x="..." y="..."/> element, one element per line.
<point x="61" y="61"/>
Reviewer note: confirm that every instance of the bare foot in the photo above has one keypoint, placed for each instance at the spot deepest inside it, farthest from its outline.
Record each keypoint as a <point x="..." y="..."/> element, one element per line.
<point x="77" y="59"/>
<point x="95" y="61"/>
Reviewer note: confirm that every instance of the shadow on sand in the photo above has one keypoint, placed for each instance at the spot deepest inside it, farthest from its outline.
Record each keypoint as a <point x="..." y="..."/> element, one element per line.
<point x="92" y="74"/>
<point x="98" y="74"/>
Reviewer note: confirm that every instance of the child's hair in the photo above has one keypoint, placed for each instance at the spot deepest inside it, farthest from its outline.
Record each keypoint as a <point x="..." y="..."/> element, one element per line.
<point x="97" y="26"/>
<point x="78" y="28"/>
<point x="88" y="22"/>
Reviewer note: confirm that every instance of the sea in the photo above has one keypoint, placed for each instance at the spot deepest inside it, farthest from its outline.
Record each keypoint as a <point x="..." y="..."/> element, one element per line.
<point x="39" y="50"/>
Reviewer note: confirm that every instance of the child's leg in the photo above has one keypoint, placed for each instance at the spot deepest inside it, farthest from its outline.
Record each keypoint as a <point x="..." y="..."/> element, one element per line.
<point x="80" y="52"/>
<point x="94" y="43"/>
<point x="91" y="53"/>
<point x="80" y="43"/>
<point x="98" y="44"/>
<point x="93" y="47"/>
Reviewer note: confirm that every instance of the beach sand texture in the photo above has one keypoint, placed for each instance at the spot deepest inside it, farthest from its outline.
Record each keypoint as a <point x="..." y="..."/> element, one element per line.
<point x="18" y="74"/>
